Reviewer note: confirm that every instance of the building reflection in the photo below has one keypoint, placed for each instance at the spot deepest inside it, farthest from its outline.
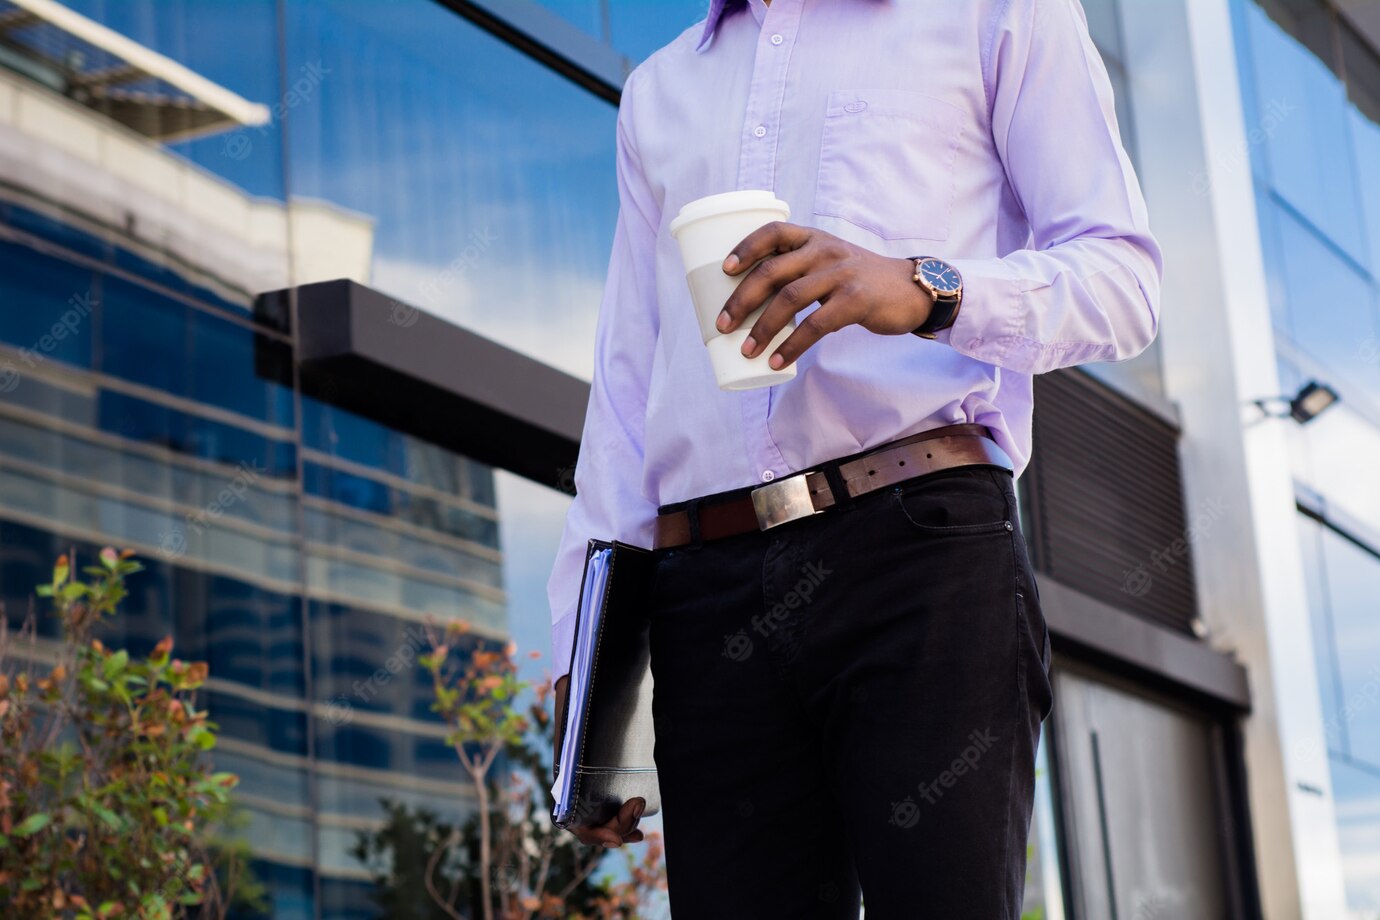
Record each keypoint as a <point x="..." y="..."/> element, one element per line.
<point x="147" y="401"/>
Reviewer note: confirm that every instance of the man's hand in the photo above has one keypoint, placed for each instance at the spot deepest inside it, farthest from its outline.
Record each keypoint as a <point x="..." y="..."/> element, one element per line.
<point x="800" y="266"/>
<point x="622" y="827"/>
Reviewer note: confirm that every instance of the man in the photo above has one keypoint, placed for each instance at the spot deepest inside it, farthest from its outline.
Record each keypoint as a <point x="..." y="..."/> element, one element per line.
<point x="851" y="701"/>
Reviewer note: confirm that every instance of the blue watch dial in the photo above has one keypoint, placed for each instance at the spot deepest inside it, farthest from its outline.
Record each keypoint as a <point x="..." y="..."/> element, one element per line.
<point x="941" y="276"/>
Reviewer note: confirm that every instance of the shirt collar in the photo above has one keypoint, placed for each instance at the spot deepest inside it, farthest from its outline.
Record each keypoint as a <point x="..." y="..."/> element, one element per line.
<point x="717" y="8"/>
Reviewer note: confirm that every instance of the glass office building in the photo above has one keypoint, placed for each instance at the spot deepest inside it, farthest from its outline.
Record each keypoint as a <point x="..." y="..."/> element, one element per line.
<point x="240" y="240"/>
<point x="166" y="164"/>
<point x="1310" y="77"/>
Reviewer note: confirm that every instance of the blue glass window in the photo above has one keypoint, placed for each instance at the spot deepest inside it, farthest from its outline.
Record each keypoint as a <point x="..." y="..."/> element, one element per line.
<point x="1344" y="581"/>
<point x="1331" y="305"/>
<point x="232" y="43"/>
<point x="640" y="27"/>
<point x="1355" y="790"/>
<point x="46" y="314"/>
<point x="491" y="201"/>
<point x="1365" y="135"/>
<point x="1300" y="118"/>
<point x="170" y="346"/>
<point x="587" y="15"/>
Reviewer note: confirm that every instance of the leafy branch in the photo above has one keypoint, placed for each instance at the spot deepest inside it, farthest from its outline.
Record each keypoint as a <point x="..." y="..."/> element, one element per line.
<point x="108" y="803"/>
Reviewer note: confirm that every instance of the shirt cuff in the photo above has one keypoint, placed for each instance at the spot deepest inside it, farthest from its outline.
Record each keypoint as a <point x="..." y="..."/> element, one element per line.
<point x="992" y="314"/>
<point x="562" y="644"/>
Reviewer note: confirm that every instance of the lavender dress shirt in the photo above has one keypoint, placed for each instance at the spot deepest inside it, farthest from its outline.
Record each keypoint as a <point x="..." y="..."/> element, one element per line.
<point x="978" y="131"/>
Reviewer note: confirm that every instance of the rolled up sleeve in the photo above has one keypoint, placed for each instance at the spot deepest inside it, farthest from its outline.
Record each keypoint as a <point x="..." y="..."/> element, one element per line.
<point x="609" y="503"/>
<point x="1087" y="285"/>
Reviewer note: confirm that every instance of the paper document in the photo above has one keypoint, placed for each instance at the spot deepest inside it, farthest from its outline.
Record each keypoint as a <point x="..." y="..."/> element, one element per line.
<point x="586" y="629"/>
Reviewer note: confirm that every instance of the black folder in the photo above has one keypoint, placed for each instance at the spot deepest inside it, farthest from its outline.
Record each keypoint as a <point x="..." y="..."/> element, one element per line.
<point x="606" y="724"/>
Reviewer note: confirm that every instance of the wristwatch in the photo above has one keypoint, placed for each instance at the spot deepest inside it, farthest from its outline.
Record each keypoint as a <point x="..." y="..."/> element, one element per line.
<point x="944" y="284"/>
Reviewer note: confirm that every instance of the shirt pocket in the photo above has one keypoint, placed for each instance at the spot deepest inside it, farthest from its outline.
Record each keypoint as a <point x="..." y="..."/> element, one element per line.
<point x="886" y="162"/>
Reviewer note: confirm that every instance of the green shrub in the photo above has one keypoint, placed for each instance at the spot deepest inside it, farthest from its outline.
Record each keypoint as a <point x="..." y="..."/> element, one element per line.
<point x="108" y="805"/>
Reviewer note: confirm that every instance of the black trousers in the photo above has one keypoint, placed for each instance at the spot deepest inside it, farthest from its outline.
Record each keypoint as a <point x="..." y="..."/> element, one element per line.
<point x="849" y="705"/>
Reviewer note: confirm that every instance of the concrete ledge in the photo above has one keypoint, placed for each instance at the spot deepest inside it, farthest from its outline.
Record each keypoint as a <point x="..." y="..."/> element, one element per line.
<point x="404" y="368"/>
<point x="1097" y="630"/>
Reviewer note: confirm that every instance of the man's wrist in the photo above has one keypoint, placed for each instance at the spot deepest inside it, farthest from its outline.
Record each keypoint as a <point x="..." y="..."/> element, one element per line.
<point x="923" y="301"/>
<point x="943" y="287"/>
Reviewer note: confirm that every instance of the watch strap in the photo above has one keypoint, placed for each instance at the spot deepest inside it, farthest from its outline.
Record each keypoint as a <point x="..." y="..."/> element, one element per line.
<point x="945" y="309"/>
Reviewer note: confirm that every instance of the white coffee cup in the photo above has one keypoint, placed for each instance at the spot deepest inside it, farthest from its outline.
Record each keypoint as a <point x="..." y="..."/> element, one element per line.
<point x="707" y="229"/>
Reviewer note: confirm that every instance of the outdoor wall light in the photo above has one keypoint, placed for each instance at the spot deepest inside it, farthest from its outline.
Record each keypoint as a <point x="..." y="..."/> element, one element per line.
<point x="1310" y="402"/>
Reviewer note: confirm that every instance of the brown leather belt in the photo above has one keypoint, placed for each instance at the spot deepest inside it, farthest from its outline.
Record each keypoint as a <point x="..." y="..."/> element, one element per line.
<point x="803" y="494"/>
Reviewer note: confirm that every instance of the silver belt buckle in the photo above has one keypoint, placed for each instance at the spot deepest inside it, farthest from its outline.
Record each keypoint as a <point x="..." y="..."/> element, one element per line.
<point x="785" y="500"/>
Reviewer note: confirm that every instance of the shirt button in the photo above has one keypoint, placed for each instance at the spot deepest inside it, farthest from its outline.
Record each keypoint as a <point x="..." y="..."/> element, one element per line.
<point x="777" y="39"/>
<point x="768" y="475"/>
<point x="759" y="131"/>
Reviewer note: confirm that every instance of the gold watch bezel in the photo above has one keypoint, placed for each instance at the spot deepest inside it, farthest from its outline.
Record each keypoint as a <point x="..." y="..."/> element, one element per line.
<point x="935" y="292"/>
<point x="946" y="297"/>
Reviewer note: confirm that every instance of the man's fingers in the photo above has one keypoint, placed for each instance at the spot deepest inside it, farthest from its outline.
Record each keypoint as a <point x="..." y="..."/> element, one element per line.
<point x="607" y="839"/>
<point x="828" y="318"/>
<point x="789" y="301"/>
<point x="561" y="688"/>
<point x="765" y="279"/>
<point x="777" y="236"/>
<point x="608" y="834"/>
<point x="626" y="820"/>
<point x="598" y="836"/>
<point x="618" y="830"/>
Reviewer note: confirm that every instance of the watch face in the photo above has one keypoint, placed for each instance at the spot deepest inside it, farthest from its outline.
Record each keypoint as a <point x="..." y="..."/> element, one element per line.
<point x="942" y="276"/>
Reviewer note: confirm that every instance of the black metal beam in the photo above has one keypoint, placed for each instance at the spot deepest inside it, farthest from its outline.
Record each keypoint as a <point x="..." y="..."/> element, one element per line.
<point x="421" y="375"/>
<point x="1350" y="528"/>
<point x="544" y="36"/>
